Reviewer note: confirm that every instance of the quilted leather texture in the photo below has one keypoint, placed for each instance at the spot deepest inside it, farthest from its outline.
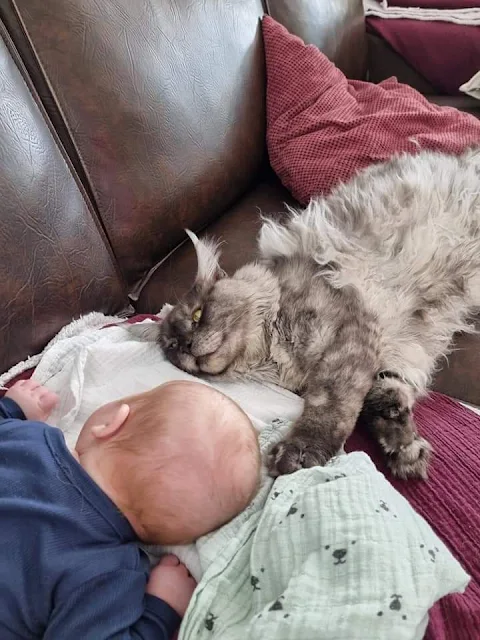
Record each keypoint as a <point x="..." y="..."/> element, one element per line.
<point x="336" y="27"/>
<point x="237" y="228"/>
<point x="165" y="102"/>
<point x="54" y="261"/>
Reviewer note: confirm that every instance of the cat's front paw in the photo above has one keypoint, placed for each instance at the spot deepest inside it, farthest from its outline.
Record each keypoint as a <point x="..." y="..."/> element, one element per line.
<point x="294" y="453"/>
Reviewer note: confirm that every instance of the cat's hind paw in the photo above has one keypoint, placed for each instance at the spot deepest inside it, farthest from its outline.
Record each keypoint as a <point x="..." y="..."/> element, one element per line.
<point x="411" y="460"/>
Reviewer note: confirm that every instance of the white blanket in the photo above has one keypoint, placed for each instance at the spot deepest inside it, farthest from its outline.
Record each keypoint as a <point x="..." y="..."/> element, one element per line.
<point x="88" y="366"/>
<point x="381" y="9"/>
<point x="331" y="552"/>
<point x="472" y="87"/>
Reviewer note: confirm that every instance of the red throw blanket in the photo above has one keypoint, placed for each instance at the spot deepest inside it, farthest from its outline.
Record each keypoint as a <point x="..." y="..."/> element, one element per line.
<point x="450" y="502"/>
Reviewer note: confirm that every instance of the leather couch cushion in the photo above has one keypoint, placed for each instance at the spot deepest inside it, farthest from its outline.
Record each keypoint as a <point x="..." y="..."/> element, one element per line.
<point x="460" y="376"/>
<point x="55" y="263"/>
<point x="384" y="62"/>
<point x="463" y="102"/>
<point x="323" y="128"/>
<point x="165" y="102"/>
<point x="423" y="44"/>
<point x="238" y="229"/>
<point x="336" y="27"/>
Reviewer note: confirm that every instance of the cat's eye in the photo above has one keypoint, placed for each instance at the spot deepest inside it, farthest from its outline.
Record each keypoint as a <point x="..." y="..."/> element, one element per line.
<point x="196" y="315"/>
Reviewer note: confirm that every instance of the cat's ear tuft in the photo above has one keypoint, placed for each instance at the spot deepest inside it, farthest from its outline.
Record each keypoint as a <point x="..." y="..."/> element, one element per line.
<point x="208" y="254"/>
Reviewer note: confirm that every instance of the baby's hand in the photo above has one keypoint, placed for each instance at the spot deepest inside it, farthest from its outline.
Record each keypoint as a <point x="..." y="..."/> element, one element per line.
<point x="36" y="402"/>
<point x="171" y="582"/>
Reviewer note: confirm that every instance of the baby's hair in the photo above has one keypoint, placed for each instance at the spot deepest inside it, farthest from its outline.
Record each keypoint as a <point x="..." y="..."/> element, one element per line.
<point x="189" y="461"/>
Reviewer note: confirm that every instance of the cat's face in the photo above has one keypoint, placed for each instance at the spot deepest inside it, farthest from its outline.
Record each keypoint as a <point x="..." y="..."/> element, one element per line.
<point x="207" y="330"/>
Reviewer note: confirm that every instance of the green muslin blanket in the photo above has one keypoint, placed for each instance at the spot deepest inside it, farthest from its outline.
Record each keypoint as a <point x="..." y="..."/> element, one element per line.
<point x="330" y="552"/>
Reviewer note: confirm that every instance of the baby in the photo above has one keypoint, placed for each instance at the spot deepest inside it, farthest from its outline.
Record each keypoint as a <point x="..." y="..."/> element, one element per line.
<point x="162" y="467"/>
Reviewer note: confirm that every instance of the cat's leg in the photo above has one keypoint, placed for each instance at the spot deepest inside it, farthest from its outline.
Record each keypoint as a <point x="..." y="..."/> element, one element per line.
<point x="388" y="414"/>
<point x="336" y="390"/>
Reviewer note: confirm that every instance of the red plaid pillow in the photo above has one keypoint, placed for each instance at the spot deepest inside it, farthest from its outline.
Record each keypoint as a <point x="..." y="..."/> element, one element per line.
<point x="323" y="128"/>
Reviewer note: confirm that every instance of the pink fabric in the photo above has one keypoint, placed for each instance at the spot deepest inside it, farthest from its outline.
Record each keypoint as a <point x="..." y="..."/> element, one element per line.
<point x="323" y="128"/>
<point x="449" y="501"/>
<point x="445" y="54"/>
<point x="436" y="4"/>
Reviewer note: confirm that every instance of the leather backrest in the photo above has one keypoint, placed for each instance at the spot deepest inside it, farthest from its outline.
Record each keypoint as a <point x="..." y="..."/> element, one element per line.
<point x="55" y="263"/>
<point x="164" y="101"/>
<point x="336" y="27"/>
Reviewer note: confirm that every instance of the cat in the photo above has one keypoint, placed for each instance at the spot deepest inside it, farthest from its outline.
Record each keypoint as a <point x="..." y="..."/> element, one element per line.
<point x="351" y="303"/>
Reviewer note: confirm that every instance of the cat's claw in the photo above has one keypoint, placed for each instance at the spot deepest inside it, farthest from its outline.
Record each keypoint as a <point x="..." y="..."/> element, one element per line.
<point x="293" y="454"/>
<point x="411" y="460"/>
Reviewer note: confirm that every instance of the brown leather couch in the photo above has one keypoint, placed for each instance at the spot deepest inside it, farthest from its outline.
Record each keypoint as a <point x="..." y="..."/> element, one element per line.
<point x="121" y="123"/>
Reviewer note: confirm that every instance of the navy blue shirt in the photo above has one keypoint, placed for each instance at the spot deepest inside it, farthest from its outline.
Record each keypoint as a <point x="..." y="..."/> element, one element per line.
<point x="70" y="565"/>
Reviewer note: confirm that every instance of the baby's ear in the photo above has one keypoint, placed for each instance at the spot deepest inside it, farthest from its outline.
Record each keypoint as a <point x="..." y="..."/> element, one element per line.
<point x="113" y="424"/>
<point x="208" y="254"/>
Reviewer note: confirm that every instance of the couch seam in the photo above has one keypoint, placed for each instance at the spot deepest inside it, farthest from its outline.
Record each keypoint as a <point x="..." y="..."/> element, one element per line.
<point x="94" y="191"/>
<point x="66" y="160"/>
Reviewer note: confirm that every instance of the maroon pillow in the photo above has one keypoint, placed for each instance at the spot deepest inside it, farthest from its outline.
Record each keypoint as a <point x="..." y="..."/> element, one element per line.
<point x="323" y="128"/>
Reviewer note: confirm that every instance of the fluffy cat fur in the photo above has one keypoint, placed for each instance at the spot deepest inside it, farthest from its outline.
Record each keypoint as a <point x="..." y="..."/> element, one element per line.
<point x="351" y="303"/>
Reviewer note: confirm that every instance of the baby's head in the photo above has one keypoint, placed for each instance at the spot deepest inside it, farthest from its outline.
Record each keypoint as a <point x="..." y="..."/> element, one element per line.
<point x="178" y="461"/>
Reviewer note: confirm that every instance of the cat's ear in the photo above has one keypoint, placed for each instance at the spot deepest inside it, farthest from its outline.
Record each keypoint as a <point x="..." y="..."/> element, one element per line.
<point x="208" y="254"/>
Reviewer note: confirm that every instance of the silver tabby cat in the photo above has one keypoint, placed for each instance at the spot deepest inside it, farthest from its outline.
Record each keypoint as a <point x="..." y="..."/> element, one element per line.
<point x="351" y="303"/>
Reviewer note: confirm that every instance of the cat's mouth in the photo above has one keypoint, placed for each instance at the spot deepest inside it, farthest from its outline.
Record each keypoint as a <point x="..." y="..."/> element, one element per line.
<point x="212" y="366"/>
<point x="195" y="356"/>
<point x="183" y="360"/>
<point x="192" y="362"/>
<point x="207" y="364"/>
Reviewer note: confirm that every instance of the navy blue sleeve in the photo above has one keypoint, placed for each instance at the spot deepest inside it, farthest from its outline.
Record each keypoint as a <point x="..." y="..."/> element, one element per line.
<point x="113" y="606"/>
<point x="9" y="410"/>
<point x="157" y="612"/>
